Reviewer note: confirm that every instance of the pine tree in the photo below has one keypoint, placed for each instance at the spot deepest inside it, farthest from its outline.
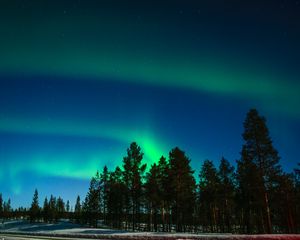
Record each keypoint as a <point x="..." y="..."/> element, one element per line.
<point x="1" y="206"/>
<point x="258" y="147"/>
<point x="297" y="196"/>
<point x="34" y="209"/>
<point x="52" y="209"/>
<point x="226" y="194"/>
<point x="209" y="187"/>
<point x="68" y="206"/>
<point x="60" y="208"/>
<point x="77" y="210"/>
<point x="153" y="196"/>
<point x="165" y="190"/>
<point x="46" y="210"/>
<point x="284" y="201"/>
<point x="116" y="198"/>
<point x="67" y="210"/>
<point x="7" y="209"/>
<point x="93" y="201"/>
<point x="133" y="175"/>
<point x="85" y="216"/>
<point x="104" y="191"/>
<point x="183" y="188"/>
<point x="297" y="170"/>
<point x="249" y="194"/>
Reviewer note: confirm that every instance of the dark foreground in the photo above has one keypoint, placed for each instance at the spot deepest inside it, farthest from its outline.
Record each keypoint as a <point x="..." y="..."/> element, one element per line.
<point x="143" y="236"/>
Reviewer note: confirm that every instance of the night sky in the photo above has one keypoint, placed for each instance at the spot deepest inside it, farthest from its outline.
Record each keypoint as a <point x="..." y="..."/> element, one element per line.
<point x="81" y="80"/>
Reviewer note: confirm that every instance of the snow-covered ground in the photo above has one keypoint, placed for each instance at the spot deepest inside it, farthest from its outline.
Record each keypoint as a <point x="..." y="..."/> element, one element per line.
<point x="67" y="229"/>
<point x="63" y="227"/>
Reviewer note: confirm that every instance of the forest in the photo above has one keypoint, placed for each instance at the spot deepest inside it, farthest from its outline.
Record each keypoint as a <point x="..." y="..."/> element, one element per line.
<point x="253" y="196"/>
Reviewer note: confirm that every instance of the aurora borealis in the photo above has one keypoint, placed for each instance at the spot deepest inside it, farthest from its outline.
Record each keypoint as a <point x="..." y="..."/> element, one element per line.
<point x="80" y="80"/>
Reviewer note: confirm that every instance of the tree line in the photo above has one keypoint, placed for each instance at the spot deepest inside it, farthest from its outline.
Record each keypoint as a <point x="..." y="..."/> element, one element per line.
<point x="255" y="197"/>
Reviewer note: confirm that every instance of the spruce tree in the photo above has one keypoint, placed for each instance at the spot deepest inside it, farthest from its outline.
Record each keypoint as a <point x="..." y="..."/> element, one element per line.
<point x="34" y="209"/>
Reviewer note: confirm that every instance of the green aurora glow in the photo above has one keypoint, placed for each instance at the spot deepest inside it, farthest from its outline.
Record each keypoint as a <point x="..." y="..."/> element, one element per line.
<point x="152" y="147"/>
<point x="100" y="45"/>
<point x="208" y="64"/>
<point x="253" y="85"/>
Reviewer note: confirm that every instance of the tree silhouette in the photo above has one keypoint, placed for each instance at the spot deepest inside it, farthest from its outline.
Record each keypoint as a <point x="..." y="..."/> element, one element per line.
<point x="60" y="208"/>
<point x="284" y="200"/>
<point x="256" y="198"/>
<point x="165" y="193"/>
<point x="259" y="150"/>
<point x="133" y="174"/>
<point x="209" y="187"/>
<point x="52" y="209"/>
<point x="77" y="210"/>
<point x="297" y="196"/>
<point x="7" y="209"/>
<point x="92" y="202"/>
<point x="104" y="191"/>
<point x="226" y="194"/>
<point x="116" y="196"/>
<point x="68" y="206"/>
<point x="153" y="196"/>
<point x="46" y="209"/>
<point x="183" y="188"/>
<point x="34" y="209"/>
<point x="1" y="206"/>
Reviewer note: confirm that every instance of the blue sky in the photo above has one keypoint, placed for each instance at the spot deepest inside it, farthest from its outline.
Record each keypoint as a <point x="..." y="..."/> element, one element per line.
<point x="81" y="80"/>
